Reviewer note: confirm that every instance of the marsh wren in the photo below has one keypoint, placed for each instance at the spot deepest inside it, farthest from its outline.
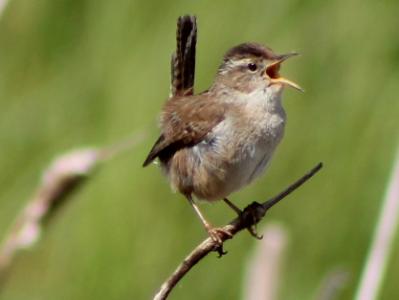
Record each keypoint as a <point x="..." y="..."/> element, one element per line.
<point x="216" y="142"/>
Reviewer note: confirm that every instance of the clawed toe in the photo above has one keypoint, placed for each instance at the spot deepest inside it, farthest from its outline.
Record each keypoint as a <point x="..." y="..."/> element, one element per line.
<point x="252" y="231"/>
<point x="218" y="234"/>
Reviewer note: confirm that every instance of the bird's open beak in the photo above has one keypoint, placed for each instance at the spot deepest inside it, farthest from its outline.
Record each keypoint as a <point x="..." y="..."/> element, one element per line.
<point x="272" y="71"/>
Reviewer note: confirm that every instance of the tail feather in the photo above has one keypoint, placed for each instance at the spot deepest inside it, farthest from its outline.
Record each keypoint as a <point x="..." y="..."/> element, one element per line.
<point x="182" y="75"/>
<point x="183" y="60"/>
<point x="154" y="151"/>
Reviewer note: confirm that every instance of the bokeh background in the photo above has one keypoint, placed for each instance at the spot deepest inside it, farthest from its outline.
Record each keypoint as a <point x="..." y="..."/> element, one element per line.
<point x="79" y="73"/>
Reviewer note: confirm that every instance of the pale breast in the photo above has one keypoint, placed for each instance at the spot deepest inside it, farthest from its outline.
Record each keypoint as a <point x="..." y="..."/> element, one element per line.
<point x="235" y="154"/>
<point x="257" y="148"/>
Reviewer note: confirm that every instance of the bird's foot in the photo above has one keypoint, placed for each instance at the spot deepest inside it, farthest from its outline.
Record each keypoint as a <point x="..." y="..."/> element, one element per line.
<point x="250" y="212"/>
<point x="218" y="234"/>
<point x="251" y="229"/>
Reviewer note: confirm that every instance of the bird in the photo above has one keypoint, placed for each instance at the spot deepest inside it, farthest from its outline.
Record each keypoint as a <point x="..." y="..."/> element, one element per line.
<point x="218" y="141"/>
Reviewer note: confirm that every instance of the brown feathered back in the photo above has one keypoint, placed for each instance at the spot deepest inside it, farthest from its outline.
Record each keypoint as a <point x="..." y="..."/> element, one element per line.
<point x="185" y="122"/>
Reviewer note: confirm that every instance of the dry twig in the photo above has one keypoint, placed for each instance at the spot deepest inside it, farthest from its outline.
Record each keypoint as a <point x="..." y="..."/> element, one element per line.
<point x="382" y="244"/>
<point x="60" y="179"/>
<point x="251" y="215"/>
<point x="263" y="278"/>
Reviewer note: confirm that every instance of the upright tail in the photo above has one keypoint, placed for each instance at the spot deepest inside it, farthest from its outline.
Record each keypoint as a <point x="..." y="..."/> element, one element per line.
<point x="183" y="60"/>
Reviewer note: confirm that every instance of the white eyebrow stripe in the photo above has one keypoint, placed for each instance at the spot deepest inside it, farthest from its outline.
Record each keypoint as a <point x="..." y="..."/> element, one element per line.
<point x="242" y="61"/>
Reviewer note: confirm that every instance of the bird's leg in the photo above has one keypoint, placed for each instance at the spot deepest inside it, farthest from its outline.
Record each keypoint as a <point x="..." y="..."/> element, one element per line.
<point x="251" y="229"/>
<point x="233" y="206"/>
<point x="214" y="232"/>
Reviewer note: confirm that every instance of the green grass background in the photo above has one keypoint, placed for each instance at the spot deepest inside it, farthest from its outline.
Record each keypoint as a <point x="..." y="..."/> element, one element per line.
<point x="91" y="72"/>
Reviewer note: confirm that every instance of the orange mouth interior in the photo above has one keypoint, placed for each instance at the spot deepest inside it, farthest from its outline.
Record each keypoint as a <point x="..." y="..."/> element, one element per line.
<point x="273" y="71"/>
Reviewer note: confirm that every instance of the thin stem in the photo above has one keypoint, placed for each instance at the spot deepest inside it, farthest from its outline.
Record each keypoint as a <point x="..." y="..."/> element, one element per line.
<point x="381" y="246"/>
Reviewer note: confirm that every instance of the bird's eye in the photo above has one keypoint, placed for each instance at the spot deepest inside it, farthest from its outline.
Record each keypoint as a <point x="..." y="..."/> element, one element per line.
<point x="252" y="67"/>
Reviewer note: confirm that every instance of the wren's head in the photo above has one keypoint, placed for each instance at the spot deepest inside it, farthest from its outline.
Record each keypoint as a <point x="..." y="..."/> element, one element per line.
<point x="250" y="66"/>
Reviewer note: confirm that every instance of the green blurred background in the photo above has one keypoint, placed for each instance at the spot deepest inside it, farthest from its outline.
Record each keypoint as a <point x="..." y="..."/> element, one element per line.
<point x="91" y="72"/>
